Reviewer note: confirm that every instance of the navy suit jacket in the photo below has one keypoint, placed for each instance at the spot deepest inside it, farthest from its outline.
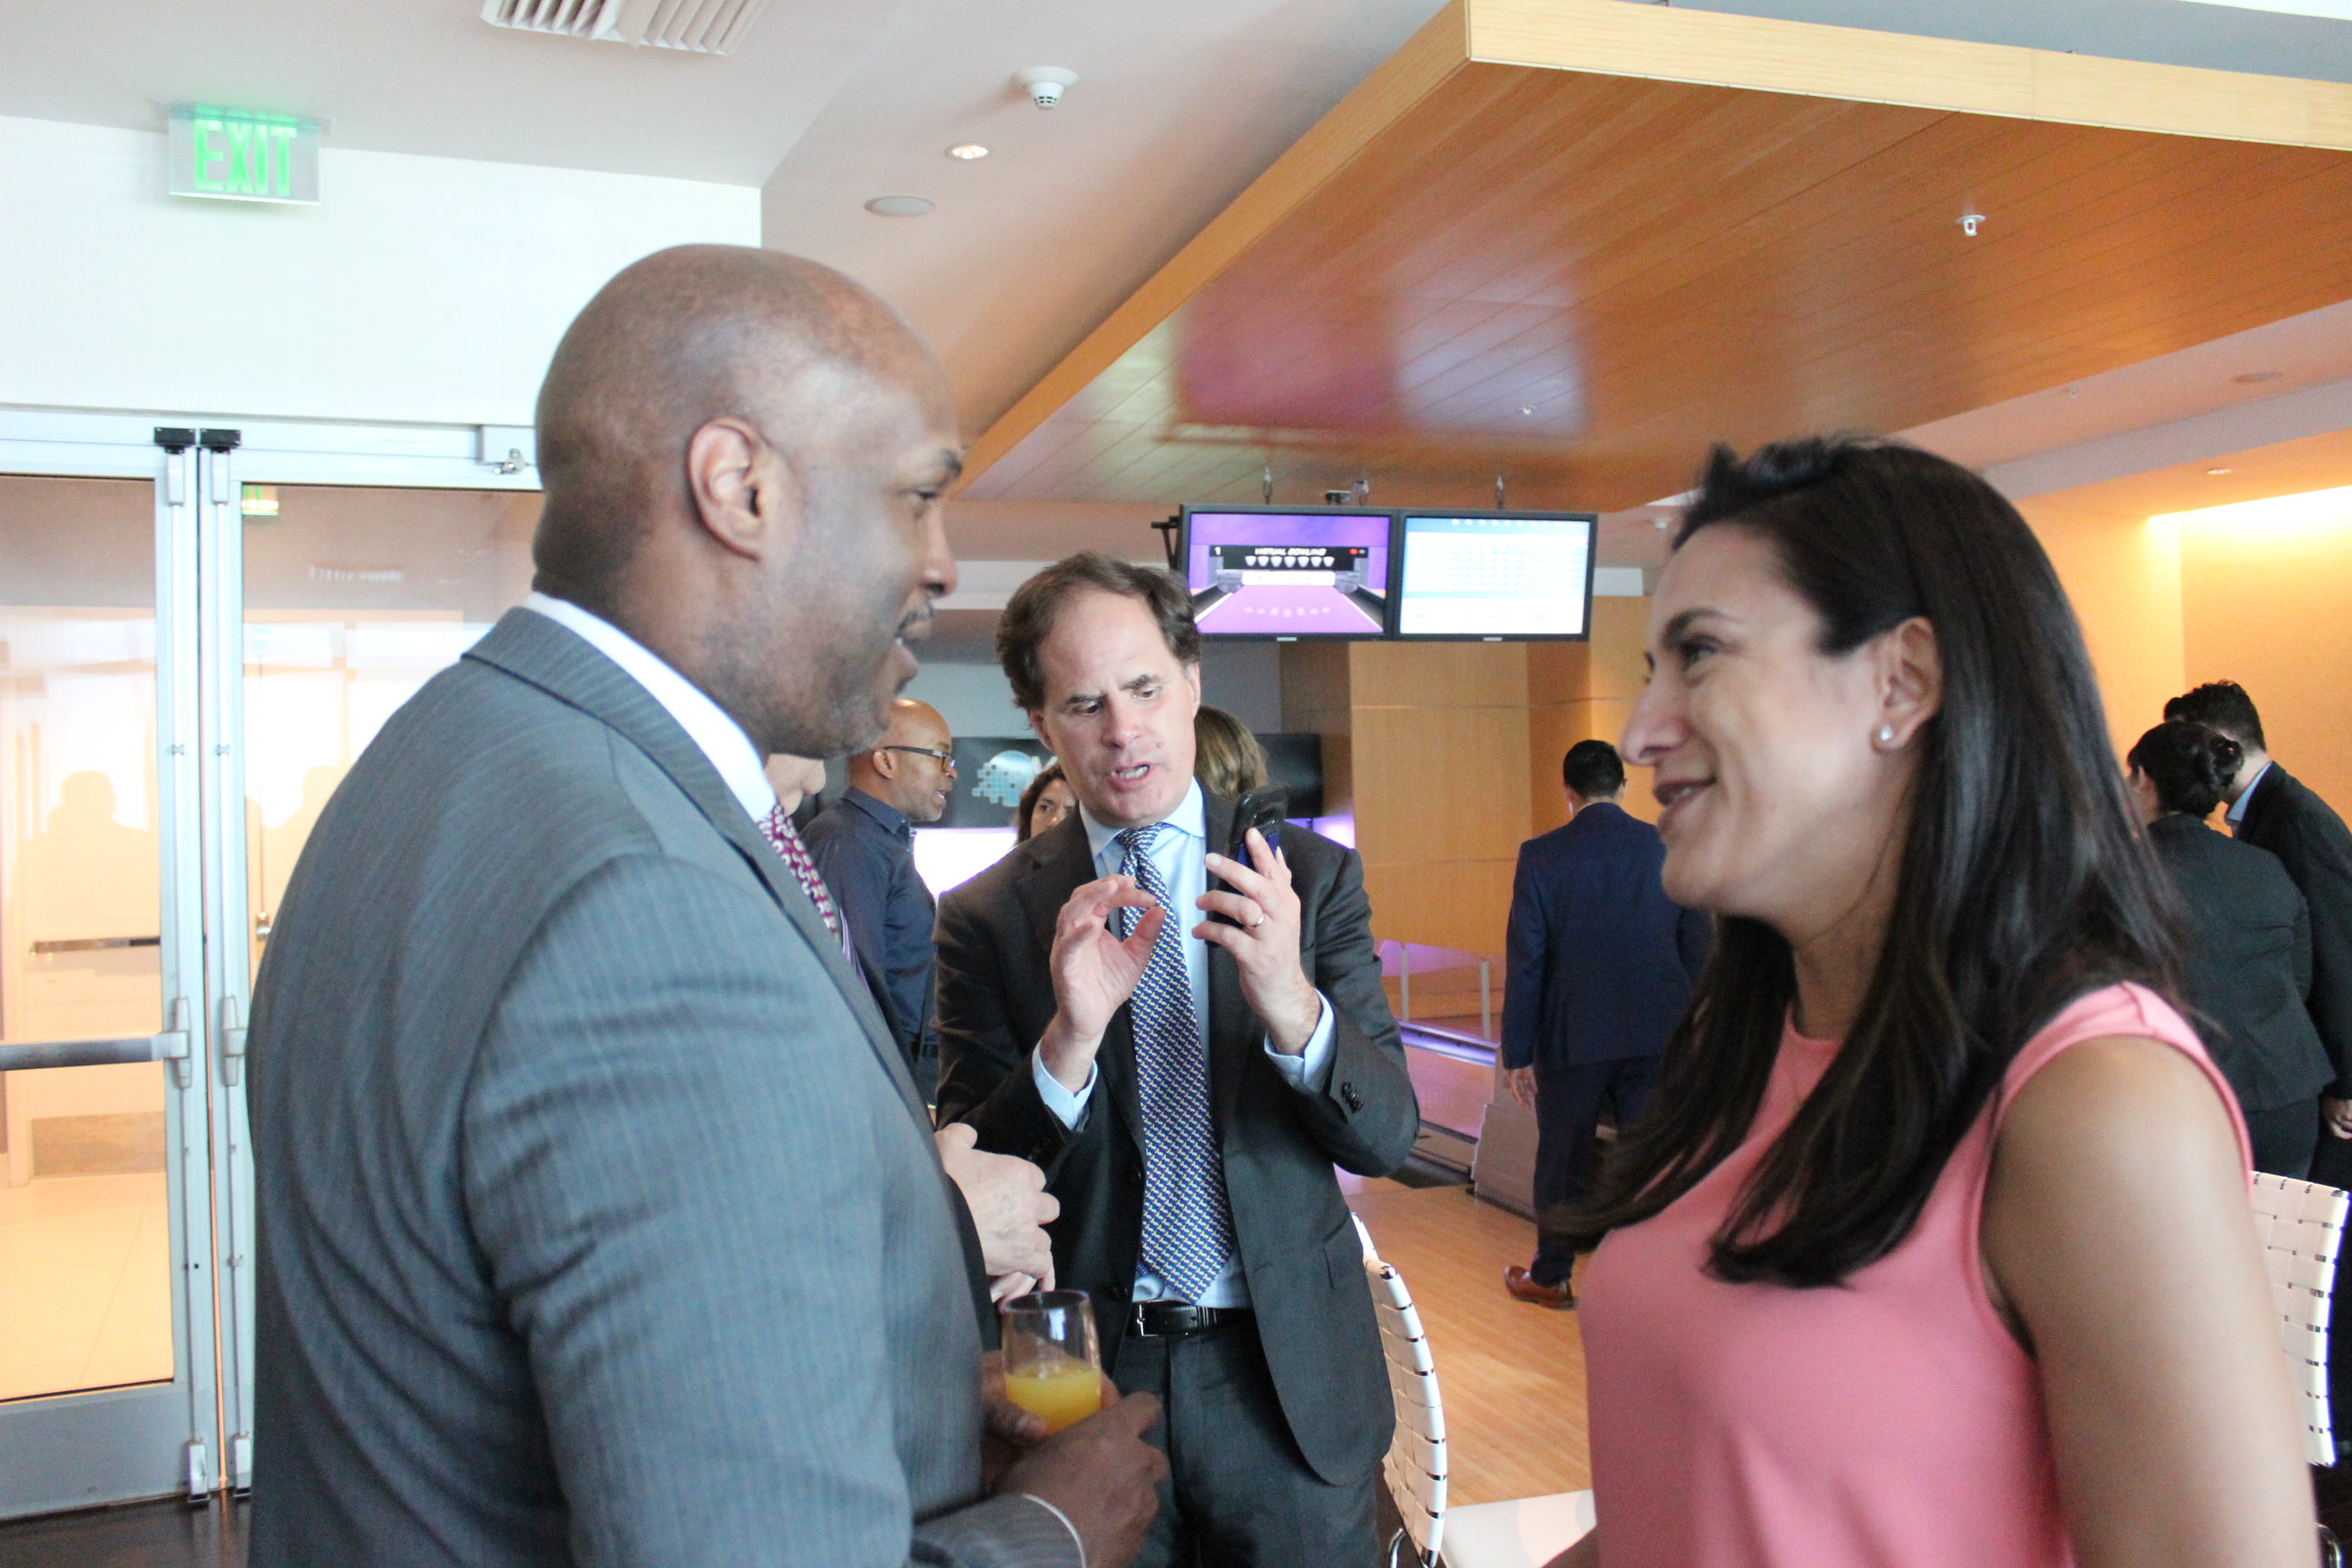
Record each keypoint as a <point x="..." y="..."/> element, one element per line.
<point x="1601" y="960"/>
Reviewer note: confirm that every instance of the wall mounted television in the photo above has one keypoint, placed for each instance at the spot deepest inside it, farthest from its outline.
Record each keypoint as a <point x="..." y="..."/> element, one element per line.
<point x="1288" y="572"/>
<point x="1472" y="576"/>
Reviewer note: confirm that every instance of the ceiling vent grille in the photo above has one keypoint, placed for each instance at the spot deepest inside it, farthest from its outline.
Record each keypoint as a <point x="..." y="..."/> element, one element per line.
<point x="704" y="26"/>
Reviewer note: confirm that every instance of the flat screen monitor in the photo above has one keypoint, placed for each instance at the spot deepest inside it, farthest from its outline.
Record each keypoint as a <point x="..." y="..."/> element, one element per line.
<point x="1257" y="572"/>
<point x="1491" y="575"/>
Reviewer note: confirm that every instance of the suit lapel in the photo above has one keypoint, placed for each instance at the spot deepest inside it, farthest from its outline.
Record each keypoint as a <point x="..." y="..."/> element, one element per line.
<point x="1061" y="863"/>
<point x="534" y="648"/>
<point x="1230" y="1029"/>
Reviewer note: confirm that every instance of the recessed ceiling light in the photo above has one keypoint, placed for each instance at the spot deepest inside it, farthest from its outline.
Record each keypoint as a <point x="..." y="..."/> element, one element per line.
<point x="2256" y="377"/>
<point x="967" y="150"/>
<point x="901" y="207"/>
<point x="2217" y="470"/>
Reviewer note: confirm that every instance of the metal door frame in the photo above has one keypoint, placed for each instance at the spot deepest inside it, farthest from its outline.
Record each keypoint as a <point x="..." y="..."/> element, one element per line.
<point x="194" y="1435"/>
<point x="271" y="452"/>
<point x="77" y="1450"/>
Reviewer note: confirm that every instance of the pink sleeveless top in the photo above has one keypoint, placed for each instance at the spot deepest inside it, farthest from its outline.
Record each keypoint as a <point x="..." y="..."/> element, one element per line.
<point x="1892" y="1422"/>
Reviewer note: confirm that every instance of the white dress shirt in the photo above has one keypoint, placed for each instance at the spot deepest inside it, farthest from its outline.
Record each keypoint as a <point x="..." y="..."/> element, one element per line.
<point x="2237" y="811"/>
<point x="705" y="723"/>
<point x="1182" y="858"/>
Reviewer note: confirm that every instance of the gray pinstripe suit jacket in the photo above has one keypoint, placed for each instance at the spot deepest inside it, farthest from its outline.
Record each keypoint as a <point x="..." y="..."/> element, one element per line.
<point x="599" y="1221"/>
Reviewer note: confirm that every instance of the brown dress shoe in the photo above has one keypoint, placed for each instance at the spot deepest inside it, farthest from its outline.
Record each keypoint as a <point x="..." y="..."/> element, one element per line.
<point x="1523" y="1287"/>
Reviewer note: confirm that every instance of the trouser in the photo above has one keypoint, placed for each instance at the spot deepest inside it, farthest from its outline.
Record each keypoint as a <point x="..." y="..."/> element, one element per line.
<point x="1569" y="1102"/>
<point x="1238" y="1494"/>
<point x="2285" y="1138"/>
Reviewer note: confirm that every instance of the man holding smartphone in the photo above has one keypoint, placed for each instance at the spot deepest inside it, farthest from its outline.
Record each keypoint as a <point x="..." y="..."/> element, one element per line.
<point x="1186" y="1083"/>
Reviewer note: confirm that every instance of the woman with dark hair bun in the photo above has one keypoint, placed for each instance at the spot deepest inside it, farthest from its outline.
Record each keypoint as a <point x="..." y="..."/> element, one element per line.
<point x="2246" y="970"/>
<point x="1935" y="1251"/>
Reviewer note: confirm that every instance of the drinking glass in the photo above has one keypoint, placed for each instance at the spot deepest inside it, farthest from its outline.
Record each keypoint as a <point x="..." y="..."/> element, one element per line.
<point x="1053" y="1362"/>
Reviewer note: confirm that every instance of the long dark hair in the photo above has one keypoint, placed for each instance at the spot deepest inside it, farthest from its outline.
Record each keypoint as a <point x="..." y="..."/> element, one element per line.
<point x="2022" y="880"/>
<point x="2189" y="765"/>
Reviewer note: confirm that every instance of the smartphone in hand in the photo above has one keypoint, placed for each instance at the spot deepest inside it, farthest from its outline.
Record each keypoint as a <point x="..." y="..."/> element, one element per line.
<point x="1263" y="809"/>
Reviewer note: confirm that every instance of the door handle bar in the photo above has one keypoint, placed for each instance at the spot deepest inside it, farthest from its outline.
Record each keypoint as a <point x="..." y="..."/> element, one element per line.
<point x="171" y="1046"/>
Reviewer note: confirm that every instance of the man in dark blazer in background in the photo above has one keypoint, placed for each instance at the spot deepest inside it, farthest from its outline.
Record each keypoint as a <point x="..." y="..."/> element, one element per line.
<point x="2271" y="809"/>
<point x="1599" y="966"/>
<point x="599" y="1221"/>
<point x="1187" y="1085"/>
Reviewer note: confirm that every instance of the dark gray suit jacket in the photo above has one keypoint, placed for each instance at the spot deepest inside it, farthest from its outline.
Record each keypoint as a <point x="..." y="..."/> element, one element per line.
<point x="1298" y="1245"/>
<point x="2248" y="968"/>
<point x="599" y="1221"/>
<point x="2285" y="817"/>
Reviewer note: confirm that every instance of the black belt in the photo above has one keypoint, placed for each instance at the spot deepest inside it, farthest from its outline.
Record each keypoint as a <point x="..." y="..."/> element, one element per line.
<point x="1180" y="1320"/>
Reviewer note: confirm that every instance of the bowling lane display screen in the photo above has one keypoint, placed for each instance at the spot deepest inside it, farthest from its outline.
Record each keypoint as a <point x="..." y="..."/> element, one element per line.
<point x="1258" y="573"/>
<point x="1467" y="575"/>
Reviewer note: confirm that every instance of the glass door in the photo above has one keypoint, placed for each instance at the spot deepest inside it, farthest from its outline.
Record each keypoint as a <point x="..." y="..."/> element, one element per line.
<point x="107" y="1371"/>
<point x="352" y="569"/>
<point x="196" y="640"/>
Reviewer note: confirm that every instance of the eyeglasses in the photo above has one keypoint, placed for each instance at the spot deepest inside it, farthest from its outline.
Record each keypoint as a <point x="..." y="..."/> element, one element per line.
<point x="945" y="759"/>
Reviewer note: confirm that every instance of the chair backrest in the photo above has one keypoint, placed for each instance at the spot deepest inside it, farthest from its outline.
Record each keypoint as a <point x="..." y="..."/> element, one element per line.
<point x="1416" y="1467"/>
<point x="2302" y="1227"/>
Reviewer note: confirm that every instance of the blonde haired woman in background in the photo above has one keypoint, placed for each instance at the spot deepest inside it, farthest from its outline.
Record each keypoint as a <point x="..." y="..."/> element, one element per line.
<point x="1227" y="759"/>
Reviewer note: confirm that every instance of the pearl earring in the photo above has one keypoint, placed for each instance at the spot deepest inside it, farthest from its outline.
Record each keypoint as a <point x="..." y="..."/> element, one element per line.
<point x="1886" y="735"/>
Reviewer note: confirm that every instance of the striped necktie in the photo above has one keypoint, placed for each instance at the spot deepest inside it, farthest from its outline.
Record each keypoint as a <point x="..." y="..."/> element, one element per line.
<point x="777" y="825"/>
<point x="1188" y="1225"/>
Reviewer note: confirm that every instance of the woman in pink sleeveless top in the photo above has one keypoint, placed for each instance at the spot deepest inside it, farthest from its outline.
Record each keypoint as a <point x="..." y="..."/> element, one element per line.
<point x="1935" y="1252"/>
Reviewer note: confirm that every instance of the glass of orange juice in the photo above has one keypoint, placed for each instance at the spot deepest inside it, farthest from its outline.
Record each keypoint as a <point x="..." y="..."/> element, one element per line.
<point x="1053" y="1362"/>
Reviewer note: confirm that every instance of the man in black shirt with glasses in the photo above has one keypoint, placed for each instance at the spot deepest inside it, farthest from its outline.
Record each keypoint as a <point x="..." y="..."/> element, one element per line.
<point x="864" y="846"/>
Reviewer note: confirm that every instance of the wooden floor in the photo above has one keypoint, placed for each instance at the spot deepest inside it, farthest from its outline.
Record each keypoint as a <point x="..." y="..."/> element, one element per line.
<point x="168" y="1534"/>
<point x="1512" y="1376"/>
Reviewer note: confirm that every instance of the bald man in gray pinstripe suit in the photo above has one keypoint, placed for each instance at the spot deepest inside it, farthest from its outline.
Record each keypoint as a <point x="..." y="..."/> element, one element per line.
<point x="599" y="1220"/>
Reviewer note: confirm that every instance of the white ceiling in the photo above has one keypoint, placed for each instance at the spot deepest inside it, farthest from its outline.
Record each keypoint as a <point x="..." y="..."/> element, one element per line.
<point x="833" y="101"/>
<point x="1177" y="106"/>
<point x="430" y="76"/>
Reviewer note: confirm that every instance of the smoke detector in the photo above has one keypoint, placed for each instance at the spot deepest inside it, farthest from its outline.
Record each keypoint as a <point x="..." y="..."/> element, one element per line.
<point x="702" y="26"/>
<point x="1045" y="84"/>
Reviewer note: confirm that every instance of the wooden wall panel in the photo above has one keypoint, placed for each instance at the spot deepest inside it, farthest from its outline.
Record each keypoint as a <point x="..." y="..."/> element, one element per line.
<point x="1463" y="904"/>
<point x="1440" y="783"/>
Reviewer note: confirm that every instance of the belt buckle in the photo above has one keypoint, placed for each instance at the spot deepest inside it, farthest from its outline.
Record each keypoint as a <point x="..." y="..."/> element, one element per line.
<point x="1178" y="1320"/>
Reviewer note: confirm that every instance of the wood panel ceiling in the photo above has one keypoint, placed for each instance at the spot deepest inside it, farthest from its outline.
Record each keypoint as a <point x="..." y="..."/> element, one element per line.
<point x="1565" y="268"/>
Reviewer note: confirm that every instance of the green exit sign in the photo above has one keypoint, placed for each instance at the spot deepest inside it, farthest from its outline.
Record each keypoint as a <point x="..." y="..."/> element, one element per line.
<point x="241" y="156"/>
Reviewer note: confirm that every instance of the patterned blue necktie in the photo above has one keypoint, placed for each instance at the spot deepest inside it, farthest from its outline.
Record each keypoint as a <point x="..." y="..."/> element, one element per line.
<point x="1188" y="1227"/>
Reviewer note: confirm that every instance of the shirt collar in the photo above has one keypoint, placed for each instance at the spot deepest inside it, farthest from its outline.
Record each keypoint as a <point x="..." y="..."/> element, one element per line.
<point x="899" y="825"/>
<point x="1191" y="817"/>
<point x="716" y="735"/>
<point x="2237" y="811"/>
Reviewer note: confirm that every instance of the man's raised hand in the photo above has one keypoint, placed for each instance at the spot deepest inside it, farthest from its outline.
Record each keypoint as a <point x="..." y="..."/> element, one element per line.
<point x="1094" y="971"/>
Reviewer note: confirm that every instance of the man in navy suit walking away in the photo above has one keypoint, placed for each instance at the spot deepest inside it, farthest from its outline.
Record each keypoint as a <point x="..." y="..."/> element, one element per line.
<point x="1601" y="963"/>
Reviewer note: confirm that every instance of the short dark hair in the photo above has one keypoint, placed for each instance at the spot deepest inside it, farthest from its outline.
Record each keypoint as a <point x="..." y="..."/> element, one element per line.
<point x="2190" y="764"/>
<point x="1593" y="769"/>
<point x="2220" y="705"/>
<point x="2023" y="881"/>
<point x="1035" y="604"/>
